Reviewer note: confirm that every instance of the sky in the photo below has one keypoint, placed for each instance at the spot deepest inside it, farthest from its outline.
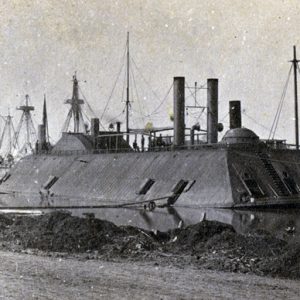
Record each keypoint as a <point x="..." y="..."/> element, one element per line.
<point x="247" y="45"/>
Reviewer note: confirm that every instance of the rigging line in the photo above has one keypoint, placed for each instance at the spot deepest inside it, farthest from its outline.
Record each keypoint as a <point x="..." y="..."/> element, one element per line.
<point x="123" y="88"/>
<point x="279" y="109"/>
<point x="3" y="134"/>
<point x="51" y="140"/>
<point x="82" y="120"/>
<point x="14" y="134"/>
<point x="161" y="103"/>
<point x="66" y="124"/>
<point x="154" y="93"/>
<point x="255" y="121"/>
<point x="89" y="107"/>
<point x="137" y="95"/>
<point x="33" y="131"/>
<point x="279" y="105"/>
<point x="115" y="84"/>
<point x="87" y="117"/>
<point x="19" y="127"/>
<point x="189" y="96"/>
<point x="193" y="94"/>
<point x="200" y="115"/>
<point x="259" y="124"/>
<point x="275" y="118"/>
<point x="225" y="116"/>
<point x="283" y="97"/>
<point x="87" y="103"/>
<point x="113" y="89"/>
<point x="117" y="116"/>
<point x="196" y="114"/>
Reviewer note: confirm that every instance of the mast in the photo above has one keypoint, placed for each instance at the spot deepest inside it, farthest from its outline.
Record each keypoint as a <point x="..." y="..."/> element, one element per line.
<point x="295" y="64"/>
<point x="75" y="110"/>
<point x="26" y="120"/>
<point x="127" y="92"/>
<point x="9" y="122"/>
<point x="195" y="93"/>
<point x="76" y="107"/>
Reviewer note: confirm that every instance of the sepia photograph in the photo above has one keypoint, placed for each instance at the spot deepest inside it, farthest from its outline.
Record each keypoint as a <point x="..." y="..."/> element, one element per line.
<point x="149" y="149"/>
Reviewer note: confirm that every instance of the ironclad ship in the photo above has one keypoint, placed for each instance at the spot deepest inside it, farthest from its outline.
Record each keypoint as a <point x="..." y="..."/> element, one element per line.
<point x="151" y="168"/>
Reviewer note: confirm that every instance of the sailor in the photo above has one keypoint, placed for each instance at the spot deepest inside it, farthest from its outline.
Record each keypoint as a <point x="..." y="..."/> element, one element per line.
<point x="45" y="146"/>
<point x="159" y="141"/>
<point x="134" y="145"/>
<point x="143" y="143"/>
<point x="149" y="143"/>
<point x="37" y="146"/>
<point x="10" y="159"/>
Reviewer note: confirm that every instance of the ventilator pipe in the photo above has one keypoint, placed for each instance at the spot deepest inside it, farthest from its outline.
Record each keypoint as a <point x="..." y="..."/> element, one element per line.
<point x="235" y="117"/>
<point x="41" y="134"/>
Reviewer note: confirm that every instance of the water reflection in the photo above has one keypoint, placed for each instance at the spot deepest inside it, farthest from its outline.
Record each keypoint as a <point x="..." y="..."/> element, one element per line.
<point x="283" y="223"/>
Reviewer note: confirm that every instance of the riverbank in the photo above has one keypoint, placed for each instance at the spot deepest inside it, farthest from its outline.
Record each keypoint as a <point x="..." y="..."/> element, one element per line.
<point x="206" y="245"/>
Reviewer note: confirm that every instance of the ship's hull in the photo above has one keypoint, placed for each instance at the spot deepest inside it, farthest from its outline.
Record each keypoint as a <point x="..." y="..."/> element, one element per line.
<point x="208" y="177"/>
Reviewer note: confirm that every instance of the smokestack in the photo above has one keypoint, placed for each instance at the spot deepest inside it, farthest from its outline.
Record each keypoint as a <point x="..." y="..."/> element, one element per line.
<point x="235" y="117"/>
<point x="179" y="106"/>
<point x="212" y="111"/>
<point x="94" y="127"/>
<point x="118" y="126"/>
<point x="42" y="135"/>
<point x="45" y="120"/>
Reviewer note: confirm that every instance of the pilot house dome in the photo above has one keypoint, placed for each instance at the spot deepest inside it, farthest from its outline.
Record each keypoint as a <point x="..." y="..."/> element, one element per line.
<point x="240" y="136"/>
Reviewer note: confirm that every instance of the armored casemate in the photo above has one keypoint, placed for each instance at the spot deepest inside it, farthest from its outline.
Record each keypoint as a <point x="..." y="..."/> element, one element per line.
<point x="188" y="168"/>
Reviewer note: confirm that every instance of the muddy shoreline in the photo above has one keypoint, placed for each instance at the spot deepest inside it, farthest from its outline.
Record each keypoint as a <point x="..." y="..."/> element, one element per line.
<point x="206" y="245"/>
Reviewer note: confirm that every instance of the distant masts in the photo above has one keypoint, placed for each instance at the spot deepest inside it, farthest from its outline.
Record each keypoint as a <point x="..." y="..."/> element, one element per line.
<point x="75" y="111"/>
<point x="26" y="121"/>
<point x="9" y="132"/>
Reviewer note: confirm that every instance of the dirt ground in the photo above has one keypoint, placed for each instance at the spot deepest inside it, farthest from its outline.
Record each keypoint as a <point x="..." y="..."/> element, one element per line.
<point x="24" y="276"/>
<point x="59" y="256"/>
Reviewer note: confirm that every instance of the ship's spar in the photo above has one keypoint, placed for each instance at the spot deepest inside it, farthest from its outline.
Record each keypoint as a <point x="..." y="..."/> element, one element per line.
<point x="127" y="91"/>
<point x="296" y="67"/>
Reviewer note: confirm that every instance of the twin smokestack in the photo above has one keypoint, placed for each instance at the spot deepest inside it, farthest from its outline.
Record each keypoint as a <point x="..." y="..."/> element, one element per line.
<point x="212" y="111"/>
<point x="179" y="113"/>
<point x="179" y="110"/>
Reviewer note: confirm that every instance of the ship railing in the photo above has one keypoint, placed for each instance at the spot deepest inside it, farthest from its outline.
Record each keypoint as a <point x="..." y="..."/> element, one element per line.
<point x="166" y="144"/>
<point x="291" y="146"/>
<point x="278" y="144"/>
<point x="126" y="150"/>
